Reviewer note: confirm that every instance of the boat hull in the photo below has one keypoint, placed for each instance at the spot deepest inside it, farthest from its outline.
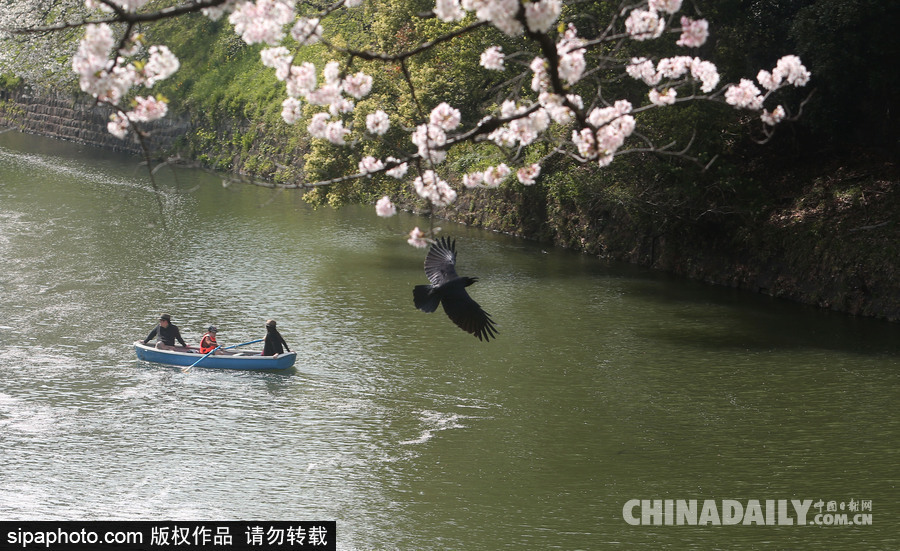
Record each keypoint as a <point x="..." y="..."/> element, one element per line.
<point x="215" y="361"/>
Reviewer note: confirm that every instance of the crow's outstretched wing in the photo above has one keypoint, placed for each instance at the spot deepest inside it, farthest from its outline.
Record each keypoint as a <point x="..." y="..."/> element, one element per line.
<point x="440" y="264"/>
<point x="468" y="314"/>
<point x="450" y="290"/>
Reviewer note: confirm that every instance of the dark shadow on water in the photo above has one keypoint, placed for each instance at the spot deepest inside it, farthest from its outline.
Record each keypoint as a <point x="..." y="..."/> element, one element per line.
<point x="718" y="318"/>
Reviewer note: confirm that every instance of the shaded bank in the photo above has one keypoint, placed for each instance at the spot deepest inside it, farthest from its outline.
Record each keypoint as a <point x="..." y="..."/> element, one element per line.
<point x="828" y="237"/>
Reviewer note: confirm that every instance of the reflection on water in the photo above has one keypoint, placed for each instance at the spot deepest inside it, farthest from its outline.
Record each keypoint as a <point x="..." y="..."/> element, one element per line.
<point x="607" y="383"/>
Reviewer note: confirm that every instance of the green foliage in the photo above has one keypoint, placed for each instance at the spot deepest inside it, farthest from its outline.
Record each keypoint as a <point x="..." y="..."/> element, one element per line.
<point x="223" y="85"/>
<point x="8" y="82"/>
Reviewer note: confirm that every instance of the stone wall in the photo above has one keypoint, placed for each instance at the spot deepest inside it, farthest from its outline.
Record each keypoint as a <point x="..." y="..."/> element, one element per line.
<point x="58" y="115"/>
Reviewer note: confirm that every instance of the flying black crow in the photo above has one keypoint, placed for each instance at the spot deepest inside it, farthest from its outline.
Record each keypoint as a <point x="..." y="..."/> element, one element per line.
<point x="449" y="289"/>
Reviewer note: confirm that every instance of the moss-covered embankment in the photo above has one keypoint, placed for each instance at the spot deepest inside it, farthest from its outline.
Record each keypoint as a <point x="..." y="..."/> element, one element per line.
<point x="828" y="237"/>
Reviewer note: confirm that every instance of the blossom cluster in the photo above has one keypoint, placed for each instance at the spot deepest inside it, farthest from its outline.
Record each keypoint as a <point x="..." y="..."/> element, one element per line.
<point x="672" y="72"/>
<point x="430" y="186"/>
<point x="789" y="70"/>
<point x="608" y="128"/>
<point x="590" y="127"/>
<point x="109" y="78"/>
<point x="336" y="92"/>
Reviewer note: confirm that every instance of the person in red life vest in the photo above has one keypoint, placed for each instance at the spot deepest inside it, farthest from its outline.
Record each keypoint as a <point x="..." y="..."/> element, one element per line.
<point x="273" y="343"/>
<point x="208" y="341"/>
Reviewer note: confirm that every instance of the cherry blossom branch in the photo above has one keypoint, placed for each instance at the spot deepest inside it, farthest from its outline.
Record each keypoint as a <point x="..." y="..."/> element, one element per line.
<point x="544" y="112"/>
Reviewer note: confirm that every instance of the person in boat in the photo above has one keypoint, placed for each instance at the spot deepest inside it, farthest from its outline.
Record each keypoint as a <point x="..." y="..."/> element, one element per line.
<point x="208" y="340"/>
<point x="166" y="333"/>
<point x="273" y="343"/>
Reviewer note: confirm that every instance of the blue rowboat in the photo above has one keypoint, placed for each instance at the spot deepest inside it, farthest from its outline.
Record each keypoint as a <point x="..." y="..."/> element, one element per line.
<point x="251" y="361"/>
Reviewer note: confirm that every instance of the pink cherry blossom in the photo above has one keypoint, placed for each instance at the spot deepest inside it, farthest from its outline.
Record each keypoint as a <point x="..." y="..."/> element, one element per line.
<point x="279" y="58"/>
<point x="494" y="175"/>
<point x="791" y="69"/>
<point x="301" y="80"/>
<point x="332" y="73"/>
<point x="667" y="98"/>
<point x="767" y="80"/>
<point x="773" y="118"/>
<point x="448" y="11"/>
<point x="430" y="138"/>
<point x="161" y="65"/>
<point x="641" y="68"/>
<point x="358" y="85"/>
<point x="473" y="179"/>
<point x="324" y="95"/>
<point x="585" y="142"/>
<point x="399" y="171"/>
<point x="262" y="22"/>
<point x="744" y="95"/>
<point x="147" y="109"/>
<point x="340" y="106"/>
<point x="602" y="116"/>
<point x="307" y="31"/>
<point x="216" y="12"/>
<point x="693" y="33"/>
<point x="378" y="122"/>
<point x="492" y="58"/>
<point x="571" y="56"/>
<point x="706" y="72"/>
<point x="417" y="238"/>
<point x="602" y="130"/>
<point x="118" y="125"/>
<point x="336" y="133"/>
<point x="542" y="14"/>
<point x="788" y="69"/>
<point x="540" y="82"/>
<point x="430" y="186"/>
<point x="644" y="24"/>
<point x="370" y="164"/>
<point x="674" y="67"/>
<point x="291" y="110"/>
<point x="668" y="6"/>
<point x="527" y="175"/>
<point x="556" y="108"/>
<point x="318" y="125"/>
<point x="501" y="13"/>
<point x="445" y="117"/>
<point x="385" y="208"/>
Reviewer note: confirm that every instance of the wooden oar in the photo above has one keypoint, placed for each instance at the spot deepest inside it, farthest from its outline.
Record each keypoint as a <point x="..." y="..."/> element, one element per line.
<point x="198" y="361"/>
<point x="185" y="370"/>
<point x="243" y="344"/>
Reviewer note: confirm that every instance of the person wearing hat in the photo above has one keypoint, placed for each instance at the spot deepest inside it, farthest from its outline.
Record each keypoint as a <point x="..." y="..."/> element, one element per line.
<point x="167" y="333"/>
<point x="208" y="341"/>
<point x="273" y="342"/>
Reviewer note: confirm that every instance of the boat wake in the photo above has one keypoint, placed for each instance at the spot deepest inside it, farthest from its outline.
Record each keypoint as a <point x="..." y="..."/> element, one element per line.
<point x="435" y="422"/>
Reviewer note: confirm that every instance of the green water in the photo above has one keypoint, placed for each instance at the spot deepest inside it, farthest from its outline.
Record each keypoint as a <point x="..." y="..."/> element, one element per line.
<point x="606" y="384"/>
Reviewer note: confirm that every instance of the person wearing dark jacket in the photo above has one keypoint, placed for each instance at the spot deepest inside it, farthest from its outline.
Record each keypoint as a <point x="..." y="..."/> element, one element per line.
<point x="273" y="342"/>
<point x="166" y="333"/>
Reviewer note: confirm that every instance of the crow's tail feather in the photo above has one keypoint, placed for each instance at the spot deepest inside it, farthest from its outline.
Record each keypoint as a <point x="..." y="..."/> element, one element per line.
<point x="424" y="299"/>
